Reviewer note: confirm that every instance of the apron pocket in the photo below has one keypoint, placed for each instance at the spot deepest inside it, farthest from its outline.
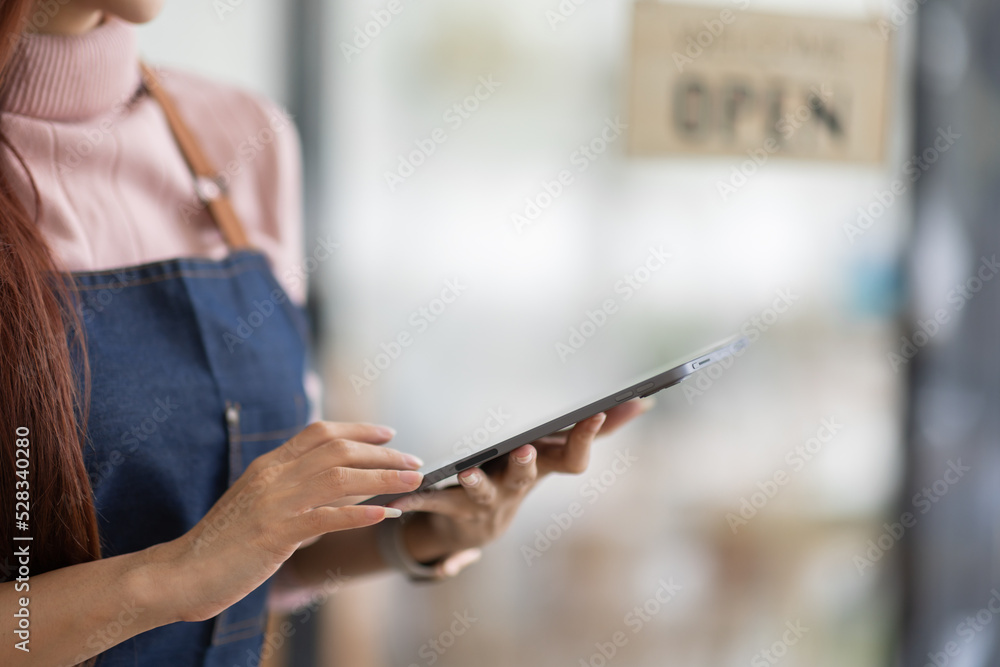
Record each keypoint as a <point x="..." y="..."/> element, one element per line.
<point x="254" y="431"/>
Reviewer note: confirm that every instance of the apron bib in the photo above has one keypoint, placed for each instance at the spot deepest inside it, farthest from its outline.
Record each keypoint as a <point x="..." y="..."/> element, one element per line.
<point x="197" y="368"/>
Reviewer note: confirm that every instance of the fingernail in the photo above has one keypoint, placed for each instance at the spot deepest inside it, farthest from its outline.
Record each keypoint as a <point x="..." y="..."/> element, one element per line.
<point x="400" y="505"/>
<point x="472" y="479"/>
<point x="648" y="402"/>
<point x="524" y="458"/>
<point x="386" y="431"/>
<point x="410" y="476"/>
<point x="598" y="421"/>
<point x="393" y="513"/>
<point x="460" y="561"/>
<point x="413" y="461"/>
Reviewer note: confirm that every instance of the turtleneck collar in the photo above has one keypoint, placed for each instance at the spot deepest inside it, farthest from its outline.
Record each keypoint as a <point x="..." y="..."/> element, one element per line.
<point x="73" y="77"/>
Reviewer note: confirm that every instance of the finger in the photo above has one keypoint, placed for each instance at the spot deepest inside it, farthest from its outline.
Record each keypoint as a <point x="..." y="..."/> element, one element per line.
<point x="522" y="469"/>
<point x="457" y="562"/>
<point x="319" y="432"/>
<point x="332" y="484"/>
<point x="623" y="413"/>
<point x="552" y="448"/>
<point x="321" y="520"/>
<point x="452" y="502"/>
<point x="351" y="454"/>
<point x="575" y="456"/>
<point x="554" y="439"/>
<point x="617" y="417"/>
<point x="478" y="486"/>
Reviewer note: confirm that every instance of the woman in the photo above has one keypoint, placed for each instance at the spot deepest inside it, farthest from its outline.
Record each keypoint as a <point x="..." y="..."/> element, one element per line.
<point x="165" y="466"/>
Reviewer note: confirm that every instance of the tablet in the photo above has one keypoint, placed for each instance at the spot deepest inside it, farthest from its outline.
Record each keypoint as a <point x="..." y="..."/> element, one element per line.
<point x="648" y="383"/>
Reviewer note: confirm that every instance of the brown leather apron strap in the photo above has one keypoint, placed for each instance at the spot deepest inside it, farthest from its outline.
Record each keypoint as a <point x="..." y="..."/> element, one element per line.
<point x="210" y="191"/>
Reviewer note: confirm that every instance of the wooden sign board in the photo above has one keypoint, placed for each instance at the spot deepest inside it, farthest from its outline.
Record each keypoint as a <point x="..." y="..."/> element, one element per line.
<point x="723" y="80"/>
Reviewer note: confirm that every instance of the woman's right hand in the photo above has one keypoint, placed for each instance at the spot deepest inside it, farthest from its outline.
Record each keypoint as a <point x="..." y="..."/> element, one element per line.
<point x="281" y="501"/>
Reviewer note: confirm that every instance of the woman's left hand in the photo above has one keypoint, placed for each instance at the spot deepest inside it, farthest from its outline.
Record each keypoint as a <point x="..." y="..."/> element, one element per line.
<point x="457" y="520"/>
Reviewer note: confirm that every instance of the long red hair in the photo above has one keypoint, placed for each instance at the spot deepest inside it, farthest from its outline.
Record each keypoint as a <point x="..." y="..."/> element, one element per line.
<point x="39" y="389"/>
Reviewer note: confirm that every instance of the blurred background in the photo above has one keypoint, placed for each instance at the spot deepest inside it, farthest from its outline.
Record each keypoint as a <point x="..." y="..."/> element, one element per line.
<point x="818" y="174"/>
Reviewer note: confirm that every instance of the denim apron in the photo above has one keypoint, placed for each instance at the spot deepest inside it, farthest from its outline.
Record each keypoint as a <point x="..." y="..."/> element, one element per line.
<point x="196" y="369"/>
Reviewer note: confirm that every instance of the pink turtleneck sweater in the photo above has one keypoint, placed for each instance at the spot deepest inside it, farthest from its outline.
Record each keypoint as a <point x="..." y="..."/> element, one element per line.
<point x="114" y="186"/>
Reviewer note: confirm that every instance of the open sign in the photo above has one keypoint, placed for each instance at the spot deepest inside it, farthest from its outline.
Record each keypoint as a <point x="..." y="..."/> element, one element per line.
<point x="729" y="81"/>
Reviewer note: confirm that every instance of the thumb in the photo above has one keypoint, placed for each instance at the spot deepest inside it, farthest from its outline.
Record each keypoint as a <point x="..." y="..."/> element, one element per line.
<point x="457" y="562"/>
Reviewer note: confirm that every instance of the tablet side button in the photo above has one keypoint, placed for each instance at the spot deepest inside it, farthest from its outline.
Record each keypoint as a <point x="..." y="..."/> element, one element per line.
<point x="624" y="397"/>
<point x="645" y="387"/>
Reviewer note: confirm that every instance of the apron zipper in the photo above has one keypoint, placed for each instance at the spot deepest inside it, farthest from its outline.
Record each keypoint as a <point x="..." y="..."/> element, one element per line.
<point x="233" y="416"/>
<point x="235" y="444"/>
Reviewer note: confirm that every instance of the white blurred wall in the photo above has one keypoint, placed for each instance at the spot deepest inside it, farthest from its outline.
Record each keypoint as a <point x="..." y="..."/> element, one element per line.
<point x="235" y="41"/>
<point x="494" y="347"/>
